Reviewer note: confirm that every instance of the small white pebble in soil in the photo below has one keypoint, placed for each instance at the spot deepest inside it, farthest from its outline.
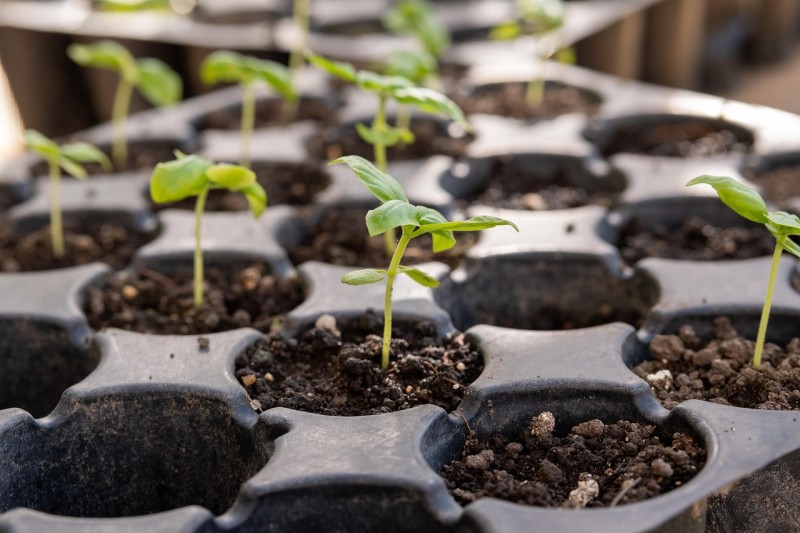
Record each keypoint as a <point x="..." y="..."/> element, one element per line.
<point x="480" y="461"/>
<point x="534" y="202"/>
<point x="328" y="323"/>
<point x="409" y="389"/>
<point x="129" y="292"/>
<point x="661" y="379"/>
<point x="456" y="386"/>
<point x="269" y="377"/>
<point x="543" y="424"/>
<point x="461" y="367"/>
<point x="249" y="379"/>
<point x="587" y="490"/>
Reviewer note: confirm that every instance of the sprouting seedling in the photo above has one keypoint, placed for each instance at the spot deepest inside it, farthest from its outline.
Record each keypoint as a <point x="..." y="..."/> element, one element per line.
<point x="543" y="20"/>
<point x="414" y="66"/>
<point x="131" y="6"/>
<point x="69" y="157"/>
<point x="155" y="80"/>
<point x="189" y="176"/>
<point x="301" y="15"/>
<point x="414" y="221"/>
<point x="748" y="203"/>
<point x="230" y="67"/>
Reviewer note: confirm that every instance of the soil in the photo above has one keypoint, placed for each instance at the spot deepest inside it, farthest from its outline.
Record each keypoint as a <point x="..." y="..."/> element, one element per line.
<point x="334" y="368"/>
<point x="431" y="138"/>
<point x="270" y="112"/>
<point x="150" y="302"/>
<point x="779" y="183"/>
<point x="694" y="240"/>
<point x="83" y="243"/>
<point x="721" y="371"/>
<point x="142" y="155"/>
<point x="508" y="99"/>
<point x="690" y="138"/>
<point x="595" y="465"/>
<point x="340" y="237"/>
<point x="285" y="184"/>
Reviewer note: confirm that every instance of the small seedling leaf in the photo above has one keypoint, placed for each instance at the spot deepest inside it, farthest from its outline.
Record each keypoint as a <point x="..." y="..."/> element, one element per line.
<point x="158" y="83"/>
<point x="506" y="31"/>
<point x="224" y="66"/>
<point x="380" y="184"/>
<point x="411" y="65"/>
<point x="376" y="83"/>
<point x="417" y="18"/>
<point x="256" y="198"/>
<point x="179" y="179"/>
<point x="274" y="74"/>
<point x="231" y="177"/>
<point x="340" y="69"/>
<point x="104" y="54"/>
<point x="41" y="145"/>
<point x="364" y="277"/>
<point x="388" y="137"/>
<point x="741" y="198"/>
<point x="72" y="168"/>
<point x="544" y="15"/>
<point x="86" y="153"/>
<point x="472" y="224"/>
<point x="432" y="102"/>
<point x="785" y="223"/>
<point x="790" y="246"/>
<point x="390" y="215"/>
<point x="426" y="280"/>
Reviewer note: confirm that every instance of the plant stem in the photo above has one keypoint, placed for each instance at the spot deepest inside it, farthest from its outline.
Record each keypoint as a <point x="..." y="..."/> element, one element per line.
<point x="301" y="11"/>
<point x="391" y="273"/>
<point x="248" y="122"/>
<point x="119" y="115"/>
<point x="56" y="227"/>
<point x="534" y="92"/>
<point x="379" y="149"/>
<point x="403" y="119"/>
<point x="198" y="248"/>
<point x="762" y="326"/>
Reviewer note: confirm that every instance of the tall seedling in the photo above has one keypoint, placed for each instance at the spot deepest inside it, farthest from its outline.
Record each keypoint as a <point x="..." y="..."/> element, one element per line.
<point x="155" y="80"/>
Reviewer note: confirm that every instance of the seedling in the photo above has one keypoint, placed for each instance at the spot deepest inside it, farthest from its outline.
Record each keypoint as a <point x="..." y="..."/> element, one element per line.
<point x="69" y="157"/>
<point x="230" y="67"/>
<point x="414" y="221"/>
<point x="301" y="18"/>
<point x="189" y="176"/>
<point x="417" y="18"/>
<point x="132" y="6"/>
<point x="748" y="203"/>
<point x="414" y="66"/>
<point x="155" y="80"/>
<point x="538" y="18"/>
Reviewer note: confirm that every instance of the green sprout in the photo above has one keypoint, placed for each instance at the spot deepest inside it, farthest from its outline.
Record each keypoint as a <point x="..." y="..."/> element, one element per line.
<point x="155" y="80"/>
<point x="414" y="221"/>
<point x="132" y="6"/>
<point x="414" y="66"/>
<point x="230" y="67"/>
<point x="537" y="18"/>
<point x="748" y="203"/>
<point x="69" y="157"/>
<point x="301" y="18"/>
<point x="189" y="176"/>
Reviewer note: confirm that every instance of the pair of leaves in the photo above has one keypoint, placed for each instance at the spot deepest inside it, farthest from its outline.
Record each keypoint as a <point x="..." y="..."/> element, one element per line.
<point x="158" y="83"/>
<point x="225" y="66"/>
<point x="69" y="157"/>
<point x="389" y="136"/>
<point x="367" y="276"/>
<point x="416" y="17"/>
<point x="189" y="176"/>
<point x="534" y="17"/>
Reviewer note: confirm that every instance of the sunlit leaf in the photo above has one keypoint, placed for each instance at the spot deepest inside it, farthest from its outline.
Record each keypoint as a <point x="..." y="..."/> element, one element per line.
<point x="390" y="215"/>
<point x="179" y="179"/>
<point x="430" y="101"/>
<point x="86" y="153"/>
<point x="741" y="198"/>
<point x="256" y="198"/>
<point x="231" y="177"/>
<point x="364" y="277"/>
<point x="381" y="184"/>
<point x="426" y="280"/>
<point x="158" y="83"/>
<point x="340" y="69"/>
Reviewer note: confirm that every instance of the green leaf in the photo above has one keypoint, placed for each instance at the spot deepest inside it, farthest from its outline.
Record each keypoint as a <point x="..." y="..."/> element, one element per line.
<point x="566" y="56"/>
<point x="105" y="54"/>
<point x="364" y="277"/>
<point x="742" y="199"/>
<point x="75" y="170"/>
<point x="506" y="31"/>
<point x="158" y="83"/>
<point x="785" y="223"/>
<point x="130" y="6"/>
<point x="274" y="74"/>
<point x="380" y="184"/>
<point x="790" y="246"/>
<point x="472" y="224"/>
<point x="417" y="18"/>
<point x="414" y="66"/>
<point x="224" y="66"/>
<point x="340" y="69"/>
<point x="86" y="153"/>
<point x="256" y="198"/>
<point x="376" y="83"/>
<point x="430" y="101"/>
<point x="443" y="239"/>
<point x="389" y="136"/>
<point x="179" y="179"/>
<point x="426" y="280"/>
<point x="544" y="15"/>
<point x="392" y="214"/>
<point x="41" y="145"/>
<point x="231" y="177"/>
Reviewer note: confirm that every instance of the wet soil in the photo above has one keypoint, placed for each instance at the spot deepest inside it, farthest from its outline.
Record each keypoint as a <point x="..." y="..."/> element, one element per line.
<point x="691" y="138"/>
<point x="686" y="368"/>
<point x="508" y="99"/>
<point x="270" y="112"/>
<point x="151" y="302"/>
<point x="595" y="465"/>
<point x="141" y="156"/>
<point x="779" y="184"/>
<point x="334" y="368"/>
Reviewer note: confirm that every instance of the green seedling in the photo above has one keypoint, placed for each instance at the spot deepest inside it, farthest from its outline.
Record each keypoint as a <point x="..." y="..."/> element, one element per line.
<point x="748" y="203"/>
<point x="301" y="16"/>
<point x="414" y="221"/>
<point x="132" y="6"/>
<point x="543" y="20"/>
<point x="68" y="157"/>
<point x="230" y="67"/>
<point x="155" y="80"/>
<point x="191" y="176"/>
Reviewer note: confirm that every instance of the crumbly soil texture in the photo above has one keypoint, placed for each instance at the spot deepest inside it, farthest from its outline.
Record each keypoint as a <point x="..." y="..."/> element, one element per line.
<point x="147" y="301"/>
<point x="595" y="465"/>
<point x="680" y="139"/>
<point x="509" y="100"/>
<point x="694" y="239"/>
<point x="141" y="156"/>
<point x="83" y="243"/>
<point x="779" y="183"/>
<point x="334" y="368"/>
<point x="721" y="371"/>
<point x="270" y="112"/>
<point x="340" y="237"/>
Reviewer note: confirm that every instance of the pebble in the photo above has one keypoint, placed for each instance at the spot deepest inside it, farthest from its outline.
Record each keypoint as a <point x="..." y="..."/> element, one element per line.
<point x="544" y="424"/>
<point x="249" y="379"/>
<point x="590" y="430"/>
<point x="667" y="347"/>
<point x="661" y="468"/>
<point x="661" y="379"/>
<point x="480" y="461"/>
<point x="328" y="323"/>
<point x="587" y="490"/>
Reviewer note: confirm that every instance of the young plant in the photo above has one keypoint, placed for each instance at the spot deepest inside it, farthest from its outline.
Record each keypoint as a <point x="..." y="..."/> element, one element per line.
<point x="155" y="80"/>
<point x="132" y="6"/>
<point x="230" y="67"/>
<point x="301" y="16"/>
<point x="414" y="66"/>
<point x="417" y="18"/>
<point x="189" y="176"/>
<point x="747" y="203"/>
<point x="414" y="221"/>
<point x="69" y="157"/>
<point x="537" y="18"/>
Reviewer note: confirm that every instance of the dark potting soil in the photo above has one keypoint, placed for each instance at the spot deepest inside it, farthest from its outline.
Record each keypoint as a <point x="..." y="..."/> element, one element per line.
<point x="691" y="138"/>
<point x="694" y="240"/>
<point x="285" y="184"/>
<point x="508" y="99"/>
<point x="83" y="243"/>
<point x="150" y="302"/>
<point x="340" y="237"/>
<point x="269" y="113"/>
<point x="334" y="368"/>
<point x="141" y="156"/>
<point x="779" y="183"/>
<point x="721" y="371"/>
<point x="595" y="465"/>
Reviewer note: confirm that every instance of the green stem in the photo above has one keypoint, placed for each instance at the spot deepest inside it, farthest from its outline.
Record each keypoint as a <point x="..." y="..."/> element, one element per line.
<point x="119" y="115"/>
<point x="56" y="227"/>
<point x="198" y="247"/>
<point x="248" y="122"/>
<point x="302" y="8"/>
<point x="391" y="273"/>
<point x="534" y="93"/>
<point x="403" y="119"/>
<point x="762" y="326"/>
<point x="379" y="149"/>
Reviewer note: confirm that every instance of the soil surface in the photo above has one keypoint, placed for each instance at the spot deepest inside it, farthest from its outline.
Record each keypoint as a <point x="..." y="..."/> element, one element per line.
<point x="595" y="465"/>
<point x="340" y="237"/>
<point x="695" y="240"/>
<point x="83" y="243"/>
<point x="508" y="99"/>
<point x="270" y="112"/>
<point x="721" y="371"/>
<point x="285" y="184"/>
<point x="779" y="183"/>
<point x="141" y="155"/>
<point x="690" y="138"/>
<point x="150" y="302"/>
<point x="334" y="368"/>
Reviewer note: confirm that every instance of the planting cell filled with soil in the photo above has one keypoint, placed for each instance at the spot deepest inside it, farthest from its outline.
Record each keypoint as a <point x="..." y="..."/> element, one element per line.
<point x="778" y="183"/>
<point x="270" y="112"/>
<point x="142" y="155"/>
<point x="509" y="100"/>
